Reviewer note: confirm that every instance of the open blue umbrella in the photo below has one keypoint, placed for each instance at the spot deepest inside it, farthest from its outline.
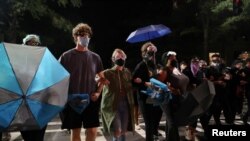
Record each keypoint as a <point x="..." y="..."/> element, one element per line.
<point x="33" y="87"/>
<point x="148" y="33"/>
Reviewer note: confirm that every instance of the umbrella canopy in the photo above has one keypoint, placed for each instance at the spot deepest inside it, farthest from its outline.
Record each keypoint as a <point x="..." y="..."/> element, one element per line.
<point x="196" y="103"/>
<point x="148" y="33"/>
<point x="33" y="87"/>
<point x="189" y="107"/>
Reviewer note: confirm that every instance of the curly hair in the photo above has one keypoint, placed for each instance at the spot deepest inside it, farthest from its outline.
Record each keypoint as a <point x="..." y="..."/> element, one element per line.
<point x="81" y="28"/>
<point x="145" y="47"/>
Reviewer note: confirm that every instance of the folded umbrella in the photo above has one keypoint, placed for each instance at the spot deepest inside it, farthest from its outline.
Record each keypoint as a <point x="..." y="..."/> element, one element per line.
<point x="195" y="103"/>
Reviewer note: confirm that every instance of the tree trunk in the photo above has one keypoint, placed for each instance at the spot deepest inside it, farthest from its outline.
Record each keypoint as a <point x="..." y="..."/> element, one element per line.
<point x="205" y="45"/>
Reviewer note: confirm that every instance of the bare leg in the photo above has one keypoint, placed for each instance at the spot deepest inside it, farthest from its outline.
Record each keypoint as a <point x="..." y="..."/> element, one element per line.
<point x="91" y="134"/>
<point x="76" y="134"/>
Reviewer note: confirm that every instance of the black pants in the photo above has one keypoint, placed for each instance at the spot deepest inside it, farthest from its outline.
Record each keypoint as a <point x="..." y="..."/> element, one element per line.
<point x="1" y="133"/>
<point x="33" y="135"/>
<point x="171" y="130"/>
<point x="151" y="121"/>
<point x="157" y="115"/>
<point x="247" y="114"/>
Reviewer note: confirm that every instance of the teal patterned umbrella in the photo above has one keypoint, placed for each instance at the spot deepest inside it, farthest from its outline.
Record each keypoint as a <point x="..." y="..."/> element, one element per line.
<point x="33" y="87"/>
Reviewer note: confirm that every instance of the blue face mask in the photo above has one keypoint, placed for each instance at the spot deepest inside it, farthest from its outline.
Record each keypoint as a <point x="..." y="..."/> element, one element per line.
<point x="84" y="41"/>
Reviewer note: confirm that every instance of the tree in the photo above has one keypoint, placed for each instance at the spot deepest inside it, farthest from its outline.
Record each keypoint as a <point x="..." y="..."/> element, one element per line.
<point x="217" y="20"/>
<point x="12" y="12"/>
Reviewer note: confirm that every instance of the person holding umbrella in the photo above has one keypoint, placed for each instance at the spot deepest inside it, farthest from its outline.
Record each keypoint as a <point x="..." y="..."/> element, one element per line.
<point x="33" y="135"/>
<point x="33" y="85"/>
<point x="83" y="66"/>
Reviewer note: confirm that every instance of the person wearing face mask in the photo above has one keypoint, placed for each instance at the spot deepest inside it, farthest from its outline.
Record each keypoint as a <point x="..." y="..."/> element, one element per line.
<point x="117" y="105"/>
<point x="195" y="75"/>
<point x="215" y="74"/>
<point x="84" y="66"/>
<point x="145" y="70"/>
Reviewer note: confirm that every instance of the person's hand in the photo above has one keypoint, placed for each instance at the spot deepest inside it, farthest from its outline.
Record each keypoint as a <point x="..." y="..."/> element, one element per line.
<point x="148" y="84"/>
<point x="95" y="96"/>
<point x="137" y="80"/>
<point x="242" y="82"/>
<point x="103" y="81"/>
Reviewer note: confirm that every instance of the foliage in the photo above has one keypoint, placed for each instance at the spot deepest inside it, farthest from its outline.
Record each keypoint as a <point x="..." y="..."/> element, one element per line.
<point x="12" y="13"/>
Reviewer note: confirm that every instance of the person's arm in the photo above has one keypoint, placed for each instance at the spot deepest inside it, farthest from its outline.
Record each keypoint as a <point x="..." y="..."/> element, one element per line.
<point x="101" y="81"/>
<point x="137" y="76"/>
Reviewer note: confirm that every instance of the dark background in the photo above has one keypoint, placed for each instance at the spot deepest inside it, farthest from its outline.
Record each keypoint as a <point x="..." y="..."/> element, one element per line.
<point x="112" y="22"/>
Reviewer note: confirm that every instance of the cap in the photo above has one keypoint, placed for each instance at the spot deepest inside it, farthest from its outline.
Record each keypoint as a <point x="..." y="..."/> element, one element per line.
<point x="171" y="53"/>
<point x="31" y="37"/>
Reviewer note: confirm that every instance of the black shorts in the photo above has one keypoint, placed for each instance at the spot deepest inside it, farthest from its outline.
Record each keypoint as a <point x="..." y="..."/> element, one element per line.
<point x="89" y="118"/>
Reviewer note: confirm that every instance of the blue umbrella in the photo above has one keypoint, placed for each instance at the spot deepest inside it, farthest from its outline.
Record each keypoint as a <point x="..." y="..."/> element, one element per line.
<point x="33" y="87"/>
<point x="148" y="33"/>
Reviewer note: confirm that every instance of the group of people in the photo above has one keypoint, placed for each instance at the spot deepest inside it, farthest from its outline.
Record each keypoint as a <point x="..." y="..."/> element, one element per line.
<point x="112" y="95"/>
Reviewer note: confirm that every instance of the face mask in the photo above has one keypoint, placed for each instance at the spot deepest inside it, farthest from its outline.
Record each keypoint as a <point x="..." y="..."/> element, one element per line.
<point x="149" y="56"/>
<point x="120" y="62"/>
<point x="174" y="63"/>
<point x="214" y="64"/>
<point x="84" y="41"/>
<point x="150" y="53"/>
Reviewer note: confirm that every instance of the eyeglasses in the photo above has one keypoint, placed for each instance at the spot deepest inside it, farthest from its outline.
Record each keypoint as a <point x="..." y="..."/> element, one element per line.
<point x="33" y="43"/>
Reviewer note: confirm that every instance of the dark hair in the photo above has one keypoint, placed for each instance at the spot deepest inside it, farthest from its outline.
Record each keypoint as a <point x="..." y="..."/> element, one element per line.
<point x="215" y="55"/>
<point x="237" y="61"/>
<point x="164" y="58"/>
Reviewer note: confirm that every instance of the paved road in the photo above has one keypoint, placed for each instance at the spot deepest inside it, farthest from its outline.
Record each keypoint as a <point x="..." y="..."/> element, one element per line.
<point x="54" y="133"/>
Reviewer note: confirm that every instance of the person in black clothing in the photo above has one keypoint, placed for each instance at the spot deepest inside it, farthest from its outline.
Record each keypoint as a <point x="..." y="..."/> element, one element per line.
<point x="145" y="70"/>
<point x="215" y="74"/>
<point x="196" y="76"/>
<point x="238" y="80"/>
<point x="177" y="83"/>
<point x="247" y="90"/>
